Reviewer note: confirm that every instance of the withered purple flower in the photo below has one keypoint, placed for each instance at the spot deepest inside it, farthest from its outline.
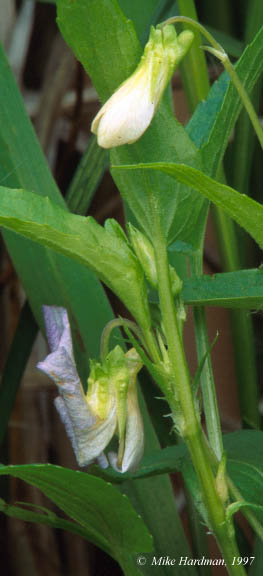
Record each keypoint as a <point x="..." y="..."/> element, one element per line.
<point x="110" y="406"/>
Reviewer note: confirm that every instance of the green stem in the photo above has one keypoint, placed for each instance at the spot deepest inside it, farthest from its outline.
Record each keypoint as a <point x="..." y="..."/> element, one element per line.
<point x="219" y="52"/>
<point x="146" y="338"/>
<point x="244" y="97"/>
<point x="193" y="67"/>
<point x="241" y="323"/>
<point x="240" y="320"/>
<point x="197" y="80"/>
<point x="192" y="431"/>
<point x="116" y="323"/>
<point x="207" y="379"/>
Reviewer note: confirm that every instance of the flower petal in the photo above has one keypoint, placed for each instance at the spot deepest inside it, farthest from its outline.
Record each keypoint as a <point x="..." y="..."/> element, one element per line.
<point x="126" y="116"/>
<point x="134" y="437"/>
<point x="56" y="324"/>
<point x="88" y="437"/>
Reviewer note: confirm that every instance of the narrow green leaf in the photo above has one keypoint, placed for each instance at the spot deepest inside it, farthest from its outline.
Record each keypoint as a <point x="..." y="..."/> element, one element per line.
<point x="47" y="518"/>
<point x="88" y="175"/>
<point x="21" y="347"/>
<point x="202" y="121"/>
<point x="244" y="210"/>
<point x="142" y="14"/>
<point x="106" y="515"/>
<point x="90" y="35"/>
<point x="66" y="283"/>
<point x="241" y="289"/>
<point x="197" y="376"/>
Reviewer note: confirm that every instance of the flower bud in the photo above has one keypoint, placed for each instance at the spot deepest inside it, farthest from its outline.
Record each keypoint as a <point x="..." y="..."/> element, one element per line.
<point x="128" y="113"/>
<point x="144" y="251"/>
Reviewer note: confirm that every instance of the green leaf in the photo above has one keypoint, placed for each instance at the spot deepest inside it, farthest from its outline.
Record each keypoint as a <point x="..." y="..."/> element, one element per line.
<point x="66" y="283"/>
<point x="142" y="14"/>
<point x="244" y="210"/>
<point x="241" y="289"/>
<point x="107" y="516"/>
<point x="87" y="177"/>
<point x="91" y="29"/>
<point x="82" y="239"/>
<point x="198" y="374"/>
<point x="96" y="41"/>
<point x="19" y="352"/>
<point x="245" y="463"/>
<point x="47" y="518"/>
<point x="167" y="460"/>
<point x="202" y="121"/>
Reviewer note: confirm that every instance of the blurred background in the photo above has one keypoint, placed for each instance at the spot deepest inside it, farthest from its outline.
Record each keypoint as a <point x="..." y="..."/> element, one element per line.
<point x="61" y="103"/>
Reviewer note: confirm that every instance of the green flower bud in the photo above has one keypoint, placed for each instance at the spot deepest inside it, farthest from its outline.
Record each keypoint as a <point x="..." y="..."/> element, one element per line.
<point x="144" y="251"/>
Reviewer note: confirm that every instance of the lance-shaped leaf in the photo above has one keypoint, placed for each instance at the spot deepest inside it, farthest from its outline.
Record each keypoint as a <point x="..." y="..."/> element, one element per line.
<point x="81" y="239"/>
<point x="244" y="210"/>
<point x="67" y="283"/>
<point x="99" y="509"/>
<point x="240" y="289"/>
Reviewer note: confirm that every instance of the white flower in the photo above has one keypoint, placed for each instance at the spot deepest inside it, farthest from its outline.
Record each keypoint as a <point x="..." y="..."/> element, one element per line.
<point x="129" y="111"/>
<point x="110" y="406"/>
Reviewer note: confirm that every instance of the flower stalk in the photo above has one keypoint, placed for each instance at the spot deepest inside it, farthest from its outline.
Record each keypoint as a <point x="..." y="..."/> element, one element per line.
<point x="217" y="50"/>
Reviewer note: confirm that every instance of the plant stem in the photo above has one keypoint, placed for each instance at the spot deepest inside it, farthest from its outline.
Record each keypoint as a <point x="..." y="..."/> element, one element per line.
<point x="197" y="81"/>
<point x="244" y="97"/>
<point x="192" y="431"/>
<point x="219" y="52"/>
<point x="193" y="67"/>
<point x="241" y="323"/>
<point x="207" y="380"/>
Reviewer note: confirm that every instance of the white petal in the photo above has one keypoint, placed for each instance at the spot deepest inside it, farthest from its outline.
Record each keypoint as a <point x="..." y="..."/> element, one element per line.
<point x="134" y="437"/>
<point x="126" y="116"/>
<point x="88" y="437"/>
<point x="92" y="441"/>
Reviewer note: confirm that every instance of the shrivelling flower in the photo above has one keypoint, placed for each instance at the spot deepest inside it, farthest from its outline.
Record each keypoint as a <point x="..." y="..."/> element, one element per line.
<point x="110" y="406"/>
<point x="128" y="113"/>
